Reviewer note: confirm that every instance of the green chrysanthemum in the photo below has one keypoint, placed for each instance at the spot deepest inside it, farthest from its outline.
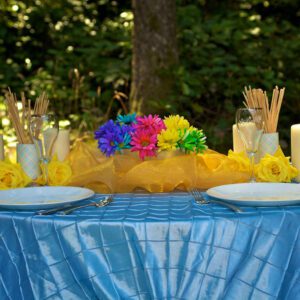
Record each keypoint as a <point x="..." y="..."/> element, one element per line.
<point x="193" y="141"/>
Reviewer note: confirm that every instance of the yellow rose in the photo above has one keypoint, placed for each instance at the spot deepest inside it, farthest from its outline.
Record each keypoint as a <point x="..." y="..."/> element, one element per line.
<point x="12" y="176"/>
<point x="60" y="172"/>
<point x="275" y="168"/>
<point x="240" y="161"/>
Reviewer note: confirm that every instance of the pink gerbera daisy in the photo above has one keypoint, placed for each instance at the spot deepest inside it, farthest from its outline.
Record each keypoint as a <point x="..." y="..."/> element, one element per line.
<point x="144" y="142"/>
<point x="153" y="124"/>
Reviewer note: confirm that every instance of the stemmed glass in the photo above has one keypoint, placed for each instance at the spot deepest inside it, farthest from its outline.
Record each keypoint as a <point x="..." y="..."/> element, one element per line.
<point x="250" y="125"/>
<point x="44" y="131"/>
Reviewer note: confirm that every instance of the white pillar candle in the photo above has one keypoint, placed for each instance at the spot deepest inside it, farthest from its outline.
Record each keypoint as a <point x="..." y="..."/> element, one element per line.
<point x="295" y="147"/>
<point x="49" y="136"/>
<point x="238" y="145"/>
<point x="1" y="147"/>
<point x="61" y="146"/>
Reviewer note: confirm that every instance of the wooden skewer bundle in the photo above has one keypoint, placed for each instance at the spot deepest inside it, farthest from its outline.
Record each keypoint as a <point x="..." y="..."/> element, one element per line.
<point x="41" y="104"/>
<point x="21" y="124"/>
<point x="40" y="108"/>
<point x="257" y="98"/>
<point x="18" y="123"/>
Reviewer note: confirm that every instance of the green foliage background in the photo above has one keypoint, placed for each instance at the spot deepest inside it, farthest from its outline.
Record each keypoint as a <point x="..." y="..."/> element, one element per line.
<point x="80" y="53"/>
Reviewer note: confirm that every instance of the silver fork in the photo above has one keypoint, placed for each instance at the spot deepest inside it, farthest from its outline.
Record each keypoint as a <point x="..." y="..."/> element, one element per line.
<point x="200" y="200"/>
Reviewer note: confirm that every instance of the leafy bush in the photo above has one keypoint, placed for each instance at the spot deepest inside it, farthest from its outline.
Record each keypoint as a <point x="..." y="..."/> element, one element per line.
<point x="225" y="47"/>
<point x="80" y="53"/>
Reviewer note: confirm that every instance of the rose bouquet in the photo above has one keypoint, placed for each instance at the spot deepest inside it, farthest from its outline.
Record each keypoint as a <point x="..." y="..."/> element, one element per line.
<point x="149" y="135"/>
<point x="271" y="168"/>
<point x="13" y="176"/>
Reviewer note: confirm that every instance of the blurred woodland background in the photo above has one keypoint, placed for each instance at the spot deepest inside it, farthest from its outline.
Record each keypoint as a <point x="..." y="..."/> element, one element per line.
<point x="98" y="58"/>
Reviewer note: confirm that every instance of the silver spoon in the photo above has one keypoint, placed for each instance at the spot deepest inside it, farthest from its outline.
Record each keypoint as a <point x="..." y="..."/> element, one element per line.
<point x="51" y="211"/>
<point x="101" y="203"/>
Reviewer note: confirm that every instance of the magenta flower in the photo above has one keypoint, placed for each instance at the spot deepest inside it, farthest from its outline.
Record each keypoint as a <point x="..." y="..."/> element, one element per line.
<point x="153" y="124"/>
<point x="144" y="142"/>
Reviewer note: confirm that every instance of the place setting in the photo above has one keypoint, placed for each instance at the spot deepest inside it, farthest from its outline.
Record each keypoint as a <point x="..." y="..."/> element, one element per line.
<point x="37" y="133"/>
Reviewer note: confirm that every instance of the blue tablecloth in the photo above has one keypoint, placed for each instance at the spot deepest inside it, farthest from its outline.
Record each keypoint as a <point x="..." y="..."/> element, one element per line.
<point x="151" y="247"/>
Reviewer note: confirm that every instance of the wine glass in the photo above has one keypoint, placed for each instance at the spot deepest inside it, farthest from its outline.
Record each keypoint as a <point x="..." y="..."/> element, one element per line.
<point x="44" y="131"/>
<point x="250" y="125"/>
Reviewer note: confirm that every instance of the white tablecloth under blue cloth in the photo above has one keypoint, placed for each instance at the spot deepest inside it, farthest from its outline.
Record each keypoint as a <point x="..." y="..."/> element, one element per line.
<point x="151" y="247"/>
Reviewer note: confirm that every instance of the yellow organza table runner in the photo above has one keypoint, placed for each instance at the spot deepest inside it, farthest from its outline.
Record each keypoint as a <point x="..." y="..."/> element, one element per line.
<point x="165" y="173"/>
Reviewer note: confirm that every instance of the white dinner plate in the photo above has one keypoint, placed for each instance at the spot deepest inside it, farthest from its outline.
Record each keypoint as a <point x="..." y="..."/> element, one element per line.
<point x="258" y="194"/>
<point x="42" y="197"/>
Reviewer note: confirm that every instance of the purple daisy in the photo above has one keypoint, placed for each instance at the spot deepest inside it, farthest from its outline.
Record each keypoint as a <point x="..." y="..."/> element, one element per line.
<point x="113" y="137"/>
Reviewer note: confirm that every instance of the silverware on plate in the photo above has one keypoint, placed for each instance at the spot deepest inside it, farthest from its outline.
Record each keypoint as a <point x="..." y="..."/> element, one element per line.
<point x="65" y="210"/>
<point x="197" y="195"/>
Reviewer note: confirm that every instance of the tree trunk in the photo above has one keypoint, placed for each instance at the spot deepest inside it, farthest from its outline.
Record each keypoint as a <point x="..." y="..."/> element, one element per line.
<point x="154" y="54"/>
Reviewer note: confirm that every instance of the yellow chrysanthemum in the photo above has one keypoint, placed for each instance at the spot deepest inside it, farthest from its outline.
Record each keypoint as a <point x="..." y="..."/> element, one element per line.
<point x="167" y="139"/>
<point x="191" y="128"/>
<point x="176" y="122"/>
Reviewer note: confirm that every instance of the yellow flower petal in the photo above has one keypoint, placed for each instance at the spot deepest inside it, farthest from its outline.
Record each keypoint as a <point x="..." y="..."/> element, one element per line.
<point x="240" y="161"/>
<point x="59" y="172"/>
<point x="12" y="176"/>
<point x="275" y="168"/>
<point x="167" y="139"/>
<point x="176" y="122"/>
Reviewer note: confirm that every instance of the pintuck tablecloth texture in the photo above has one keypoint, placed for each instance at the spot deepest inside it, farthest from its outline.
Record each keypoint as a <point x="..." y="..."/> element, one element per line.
<point x="151" y="247"/>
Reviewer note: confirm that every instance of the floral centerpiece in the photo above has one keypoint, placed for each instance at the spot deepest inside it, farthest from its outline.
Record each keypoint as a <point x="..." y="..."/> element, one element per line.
<point x="149" y="135"/>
